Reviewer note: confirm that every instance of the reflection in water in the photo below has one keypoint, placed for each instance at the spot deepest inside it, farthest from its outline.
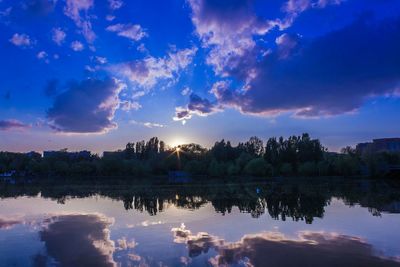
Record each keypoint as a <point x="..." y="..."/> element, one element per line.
<point x="8" y="223"/>
<point x="80" y="230"/>
<point x="274" y="249"/>
<point x="78" y="240"/>
<point x="293" y="198"/>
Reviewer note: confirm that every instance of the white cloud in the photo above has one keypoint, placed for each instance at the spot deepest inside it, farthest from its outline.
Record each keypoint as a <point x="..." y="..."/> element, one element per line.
<point x="228" y="39"/>
<point x="150" y="70"/>
<point x="21" y="40"/>
<point x="58" y="35"/>
<point x="115" y="4"/>
<point x="131" y="31"/>
<point x="142" y="48"/>
<point x="77" y="46"/>
<point x="148" y="125"/>
<point x="42" y="55"/>
<point x="186" y="91"/>
<point x="129" y="105"/>
<point x="100" y="60"/>
<point x="73" y="10"/>
<point x="110" y="17"/>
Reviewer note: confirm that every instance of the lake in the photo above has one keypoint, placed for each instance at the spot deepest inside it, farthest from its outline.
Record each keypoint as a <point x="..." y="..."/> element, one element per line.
<point x="278" y="222"/>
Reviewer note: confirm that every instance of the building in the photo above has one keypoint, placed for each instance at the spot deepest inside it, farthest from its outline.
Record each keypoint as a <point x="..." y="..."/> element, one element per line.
<point x="380" y="145"/>
<point x="65" y="154"/>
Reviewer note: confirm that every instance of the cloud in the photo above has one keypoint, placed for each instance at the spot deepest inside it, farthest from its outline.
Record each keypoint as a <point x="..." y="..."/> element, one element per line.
<point x="149" y="71"/>
<point x="6" y="125"/>
<point x="100" y="60"/>
<point x="148" y="124"/>
<point x="115" y="4"/>
<point x="77" y="11"/>
<point x="86" y="107"/>
<point x="110" y="17"/>
<point x="79" y="240"/>
<point x="330" y="75"/>
<point x="197" y="105"/>
<point x="186" y="91"/>
<point x="77" y="46"/>
<point x="293" y="8"/>
<point x="58" y="35"/>
<point x="127" y="105"/>
<point x="42" y="55"/>
<point x="131" y="31"/>
<point x="21" y="40"/>
<point x="227" y="39"/>
<point x="51" y="88"/>
<point x="6" y="12"/>
<point x="286" y="43"/>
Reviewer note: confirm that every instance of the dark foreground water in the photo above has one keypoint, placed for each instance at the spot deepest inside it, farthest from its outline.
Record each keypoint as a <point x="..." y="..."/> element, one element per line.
<point x="276" y="223"/>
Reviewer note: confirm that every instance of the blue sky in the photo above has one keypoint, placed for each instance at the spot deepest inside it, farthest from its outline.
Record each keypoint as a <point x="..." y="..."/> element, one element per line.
<point x="91" y="74"/>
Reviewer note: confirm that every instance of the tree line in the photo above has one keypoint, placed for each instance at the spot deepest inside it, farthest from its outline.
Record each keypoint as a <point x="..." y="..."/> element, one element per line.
<point x="292" y="156"/>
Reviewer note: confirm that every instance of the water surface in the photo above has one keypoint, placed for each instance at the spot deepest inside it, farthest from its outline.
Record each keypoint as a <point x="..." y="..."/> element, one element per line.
<point x="291" y="222"/>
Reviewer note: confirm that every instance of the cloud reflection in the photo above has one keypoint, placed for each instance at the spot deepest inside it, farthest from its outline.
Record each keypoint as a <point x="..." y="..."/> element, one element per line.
<point x="274" y="248"/>
<point x="79" y="240"/>
<point x="7" y="224"/>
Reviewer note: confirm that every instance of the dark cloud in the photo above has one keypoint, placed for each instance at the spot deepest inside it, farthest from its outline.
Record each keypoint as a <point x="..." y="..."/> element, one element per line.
<point x="12" y="124"/>
<point x="86" y="107"/>
<point x="197" y="105"/>
<point x="51" y="88"/>
<point x="79" y="240"/>
<point x="309" y="249"/>
<point x="330" y="75"/>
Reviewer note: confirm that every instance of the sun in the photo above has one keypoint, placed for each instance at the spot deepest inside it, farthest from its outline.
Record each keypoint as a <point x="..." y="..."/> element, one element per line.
<point x="177" y="141"/>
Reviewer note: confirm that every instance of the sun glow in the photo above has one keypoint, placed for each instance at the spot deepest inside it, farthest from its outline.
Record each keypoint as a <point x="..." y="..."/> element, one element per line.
<point x="177" y="141"/>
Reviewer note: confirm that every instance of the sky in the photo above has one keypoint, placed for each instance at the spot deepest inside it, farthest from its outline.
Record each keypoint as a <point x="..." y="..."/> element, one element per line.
<point x="96" y="74"/>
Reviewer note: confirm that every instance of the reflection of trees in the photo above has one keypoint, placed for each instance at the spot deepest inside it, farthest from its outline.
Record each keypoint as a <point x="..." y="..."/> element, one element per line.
<point x="296" y="204"/>
<point x="292" y="198"/>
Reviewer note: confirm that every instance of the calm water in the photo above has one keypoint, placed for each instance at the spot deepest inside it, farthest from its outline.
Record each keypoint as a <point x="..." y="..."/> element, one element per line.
<point x="276" y="223"/>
